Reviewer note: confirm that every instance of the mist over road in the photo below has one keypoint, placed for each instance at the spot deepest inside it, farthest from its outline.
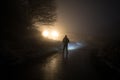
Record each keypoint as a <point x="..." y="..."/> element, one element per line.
<point x="78" y="66"/>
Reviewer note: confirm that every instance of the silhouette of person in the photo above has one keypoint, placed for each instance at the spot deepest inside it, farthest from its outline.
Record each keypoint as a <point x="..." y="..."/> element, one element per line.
<point x="65" y="46"/>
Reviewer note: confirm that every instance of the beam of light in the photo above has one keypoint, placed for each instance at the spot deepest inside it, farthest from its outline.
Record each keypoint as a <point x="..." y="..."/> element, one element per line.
<point x="73" y="46"/>
<point x="45" y="33"/>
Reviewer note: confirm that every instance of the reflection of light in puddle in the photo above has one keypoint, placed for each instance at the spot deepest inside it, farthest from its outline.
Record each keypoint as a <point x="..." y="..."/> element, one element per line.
<point x="73" y="46"/>
<point x="51" y="68"/>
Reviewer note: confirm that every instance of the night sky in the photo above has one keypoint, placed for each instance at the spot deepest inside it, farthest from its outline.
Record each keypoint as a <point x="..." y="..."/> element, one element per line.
<point x="90" y="17"/>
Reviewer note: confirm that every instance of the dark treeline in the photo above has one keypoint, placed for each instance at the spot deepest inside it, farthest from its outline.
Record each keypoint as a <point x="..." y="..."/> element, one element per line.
<point x="18" y="33"/>
<point x="21" y="14"/>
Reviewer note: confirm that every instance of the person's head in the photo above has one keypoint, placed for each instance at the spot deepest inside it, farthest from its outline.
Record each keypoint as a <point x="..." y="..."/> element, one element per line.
<point x="66" y="36"/>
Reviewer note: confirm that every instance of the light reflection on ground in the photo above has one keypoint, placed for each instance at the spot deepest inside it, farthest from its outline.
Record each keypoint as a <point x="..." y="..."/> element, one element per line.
<point x="52" y="67"/>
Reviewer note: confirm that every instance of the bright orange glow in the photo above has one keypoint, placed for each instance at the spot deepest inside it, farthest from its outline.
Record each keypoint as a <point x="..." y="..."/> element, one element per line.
<point x="54" y="33"/>
<point x="45" y="33"/>
<point x="51" y="34"/>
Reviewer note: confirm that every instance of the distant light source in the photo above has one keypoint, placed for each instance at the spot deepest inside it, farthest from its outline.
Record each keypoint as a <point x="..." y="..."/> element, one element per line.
<point x="50" y="34"/>
<point x="54" y="33"/>
<point x="45" y="33"/>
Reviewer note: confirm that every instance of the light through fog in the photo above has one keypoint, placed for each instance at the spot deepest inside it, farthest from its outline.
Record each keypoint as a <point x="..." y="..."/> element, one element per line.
<point x="45" y="33"/>
<point x="54" y="32"/>
<point x="51" y="34"/>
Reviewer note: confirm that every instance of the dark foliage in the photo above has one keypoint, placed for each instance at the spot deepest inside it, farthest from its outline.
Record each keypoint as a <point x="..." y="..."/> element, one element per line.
<point x="18" y="35"/>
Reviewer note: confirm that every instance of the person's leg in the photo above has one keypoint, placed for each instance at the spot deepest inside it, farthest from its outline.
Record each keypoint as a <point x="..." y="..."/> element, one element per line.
<point x="63" y="51"/>
<point x="63" y="48"/>
<point x="66" y="51"/>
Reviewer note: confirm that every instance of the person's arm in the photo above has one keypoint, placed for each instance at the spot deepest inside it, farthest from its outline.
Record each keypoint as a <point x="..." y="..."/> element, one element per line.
<point x="68" y="40"/>
<point x="63" y="40"/>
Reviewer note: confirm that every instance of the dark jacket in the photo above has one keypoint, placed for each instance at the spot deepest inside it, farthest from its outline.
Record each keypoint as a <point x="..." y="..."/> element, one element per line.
<point x="65" y="40"/>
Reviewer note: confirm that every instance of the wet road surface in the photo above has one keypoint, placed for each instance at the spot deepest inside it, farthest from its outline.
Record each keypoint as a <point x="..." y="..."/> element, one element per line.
<point x="78" y="66"/>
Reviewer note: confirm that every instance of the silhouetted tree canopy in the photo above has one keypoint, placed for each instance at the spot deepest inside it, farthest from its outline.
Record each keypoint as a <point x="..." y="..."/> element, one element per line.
<point x="21" y="14"/>
<point x="43" y="11"/>
<point x="18" y="19"/>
